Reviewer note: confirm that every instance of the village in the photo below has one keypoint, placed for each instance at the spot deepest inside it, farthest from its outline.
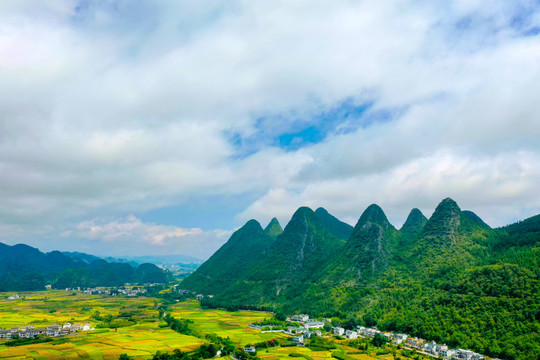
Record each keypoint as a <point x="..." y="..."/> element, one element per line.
<point x="308" y="328"/>
<point x="31" y="332"/>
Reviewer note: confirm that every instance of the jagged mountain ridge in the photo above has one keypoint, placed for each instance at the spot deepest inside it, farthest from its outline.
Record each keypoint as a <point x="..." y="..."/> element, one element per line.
<point x="445" y="278"/>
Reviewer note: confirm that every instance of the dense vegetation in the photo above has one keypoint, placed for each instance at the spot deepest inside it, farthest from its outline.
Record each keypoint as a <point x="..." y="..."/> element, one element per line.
<point x="452" y="279"/>
<point x="24" y="268"/>
<point x="338" y="228"/>
<point x="273" y="229"/>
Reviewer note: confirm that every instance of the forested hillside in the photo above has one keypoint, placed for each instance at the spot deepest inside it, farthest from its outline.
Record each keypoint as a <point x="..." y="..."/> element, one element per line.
<point x="450" y="278"/>
<point x="24" y="268"/>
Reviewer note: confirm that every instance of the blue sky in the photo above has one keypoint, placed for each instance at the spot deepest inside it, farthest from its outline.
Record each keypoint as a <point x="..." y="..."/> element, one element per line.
<point x="130" y="129"/>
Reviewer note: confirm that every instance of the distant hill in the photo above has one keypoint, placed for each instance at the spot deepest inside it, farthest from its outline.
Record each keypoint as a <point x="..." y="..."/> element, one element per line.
<point x="157" y="259"/>
<point x="79" y="256"/>
<point x="450" y="278"/>
<point x="24" y="268"/>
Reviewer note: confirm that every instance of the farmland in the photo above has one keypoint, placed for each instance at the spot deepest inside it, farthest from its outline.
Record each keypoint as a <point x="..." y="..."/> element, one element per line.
<point x="141" y="340"/>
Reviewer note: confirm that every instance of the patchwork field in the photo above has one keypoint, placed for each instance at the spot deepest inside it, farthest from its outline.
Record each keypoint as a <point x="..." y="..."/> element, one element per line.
<point x="140" y="341"/>
<point x="49" y="307"/>
<point x="225" y="323"/>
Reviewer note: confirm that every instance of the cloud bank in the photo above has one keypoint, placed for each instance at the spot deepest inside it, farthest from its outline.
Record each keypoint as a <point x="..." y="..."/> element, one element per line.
<point x="115" y="109"/>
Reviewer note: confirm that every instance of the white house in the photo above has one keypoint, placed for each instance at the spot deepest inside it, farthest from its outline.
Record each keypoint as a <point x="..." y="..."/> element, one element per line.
<point x="400" y="338"/>
<point x="314" y="325"/>
<point x="301" y="317"/>
<point x="463" y="354"/>
<point x="350" y="334"/>
<point x="250" y="349"/>
<point x="448" y="353"/>
<point x="298" y="339"/>
<point x="339" y="330"/>
<point x="14" y="297"/>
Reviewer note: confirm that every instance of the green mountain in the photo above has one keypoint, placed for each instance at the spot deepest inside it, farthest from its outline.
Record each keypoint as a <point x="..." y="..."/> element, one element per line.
<point x="280" y="272"/>
<point x="450" y="240"/>
<point x="24" y="268"/>
<point x="246" y="246"/>
<point x="475" y="218"/>
<point x="274" y="228"/>
<point x="337" y="227"/>
<point x="451" y="278"/>
<point x="369" y="250"/>
<point x="301" y="249"/>
<point x="415" y="222"/>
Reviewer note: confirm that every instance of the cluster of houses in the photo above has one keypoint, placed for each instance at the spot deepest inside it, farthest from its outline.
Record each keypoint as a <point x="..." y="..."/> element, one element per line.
<point x="305" y="330"/>
<point x="309" y="327"/>
<point x="114" y="292"/>
<point x="431" y="348"/>
<point x="31" y="332"/>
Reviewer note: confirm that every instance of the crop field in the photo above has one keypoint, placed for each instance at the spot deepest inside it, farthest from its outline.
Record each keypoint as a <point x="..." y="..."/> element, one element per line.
<point x="56" y="307"/>
<point x="141" y="340"/>
<point x="225" y="323"/>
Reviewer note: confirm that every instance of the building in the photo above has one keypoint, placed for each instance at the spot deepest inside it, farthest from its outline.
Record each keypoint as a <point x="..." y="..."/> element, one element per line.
<point x="52" y="330"/>
<point x="339" y="331"/>
<point x="415" y="342"/>
<point x="298" y="339"/>
<point x="314" y="325"/>
<point x="14" y="297"/>
<point x="400" y="338"/>
<point x="350" y="334"/>
<point x="250" y="349"/>
<point x="448" y="353"/>
<point x="301" y="317"/>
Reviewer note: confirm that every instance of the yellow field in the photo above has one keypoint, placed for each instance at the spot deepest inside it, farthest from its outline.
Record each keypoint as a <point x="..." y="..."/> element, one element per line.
<point x="140" y="341"/>
<point x="48" y="307"/>
<point x="234" y="325"/>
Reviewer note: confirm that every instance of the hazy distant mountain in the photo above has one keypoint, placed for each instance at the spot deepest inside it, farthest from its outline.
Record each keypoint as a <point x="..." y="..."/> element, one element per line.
<point x="79" y="256"/>
<point x="158" y="259"/>
<point x="23" y="267"/>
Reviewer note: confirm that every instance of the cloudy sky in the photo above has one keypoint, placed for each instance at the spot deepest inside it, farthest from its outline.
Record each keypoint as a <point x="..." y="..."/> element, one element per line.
<point x="130" y="128"/>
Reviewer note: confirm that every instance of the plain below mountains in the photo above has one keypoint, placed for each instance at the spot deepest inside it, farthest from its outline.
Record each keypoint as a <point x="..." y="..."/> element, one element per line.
<point x="451" y="277"/>
<point x="24" y="268"/>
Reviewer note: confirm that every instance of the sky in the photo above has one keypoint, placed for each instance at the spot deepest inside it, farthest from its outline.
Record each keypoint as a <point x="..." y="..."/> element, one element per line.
<point x="148" y="128"/>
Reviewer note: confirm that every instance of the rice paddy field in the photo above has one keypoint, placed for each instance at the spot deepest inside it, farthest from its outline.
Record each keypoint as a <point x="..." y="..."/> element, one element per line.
<point x="140" y="341"/>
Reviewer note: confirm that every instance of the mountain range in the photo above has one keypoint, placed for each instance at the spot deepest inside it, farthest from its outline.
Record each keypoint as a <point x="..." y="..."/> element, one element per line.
<point x="25" y="268"/>
<point x="451" y="277"/>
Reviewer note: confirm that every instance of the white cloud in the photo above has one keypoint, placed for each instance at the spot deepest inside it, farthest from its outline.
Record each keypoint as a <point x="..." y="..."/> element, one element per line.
<point x="111" y="110"/>
<point x="133" y="232"/>
<point x="499" y="189"/>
